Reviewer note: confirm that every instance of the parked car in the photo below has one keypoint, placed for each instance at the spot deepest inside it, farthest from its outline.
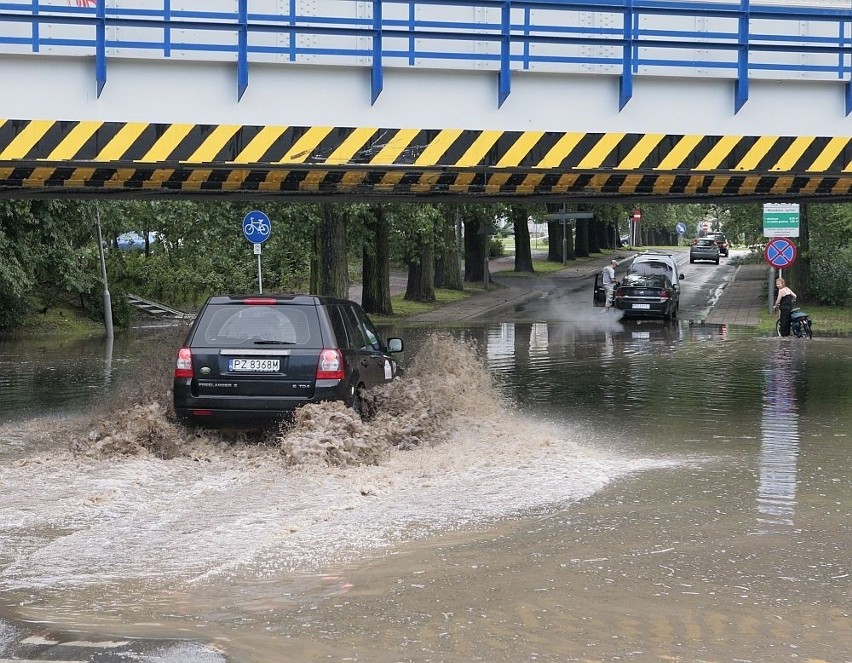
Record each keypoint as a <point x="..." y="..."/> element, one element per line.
<point x="722" y="241"/>
<point x="654" y="262"/>
<point x="704" y="248"/>
<point x="249" y="361"/>
<point x="647" y="296"/>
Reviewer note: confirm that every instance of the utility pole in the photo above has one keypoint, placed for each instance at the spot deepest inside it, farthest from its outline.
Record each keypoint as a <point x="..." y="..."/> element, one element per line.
<point x="107" y="300"/>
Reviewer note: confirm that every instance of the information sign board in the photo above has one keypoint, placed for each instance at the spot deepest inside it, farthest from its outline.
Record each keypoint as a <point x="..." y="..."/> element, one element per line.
<point x="781" y="220"/>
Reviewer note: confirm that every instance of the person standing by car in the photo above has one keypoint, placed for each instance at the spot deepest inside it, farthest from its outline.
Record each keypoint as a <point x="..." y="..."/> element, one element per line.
<point x="609" y="283"/>
<point x="784" y="302"/>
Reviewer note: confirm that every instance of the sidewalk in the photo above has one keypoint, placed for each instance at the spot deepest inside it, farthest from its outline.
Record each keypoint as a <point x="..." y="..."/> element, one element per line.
<point x="742" y="298"/>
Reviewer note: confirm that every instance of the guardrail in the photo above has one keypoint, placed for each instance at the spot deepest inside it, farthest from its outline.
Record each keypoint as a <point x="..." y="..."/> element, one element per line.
<point x="738" y="39"/>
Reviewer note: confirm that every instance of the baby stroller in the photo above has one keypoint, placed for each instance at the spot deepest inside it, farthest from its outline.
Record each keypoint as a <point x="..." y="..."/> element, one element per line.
<point x="800" y="324"/>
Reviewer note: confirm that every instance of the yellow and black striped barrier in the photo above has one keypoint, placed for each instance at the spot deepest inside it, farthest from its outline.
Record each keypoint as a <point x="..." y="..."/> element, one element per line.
<point x="68" y="158"/>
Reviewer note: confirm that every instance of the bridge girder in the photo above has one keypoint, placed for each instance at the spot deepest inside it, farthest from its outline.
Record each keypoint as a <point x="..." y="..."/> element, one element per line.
<point x="74" y="159"/>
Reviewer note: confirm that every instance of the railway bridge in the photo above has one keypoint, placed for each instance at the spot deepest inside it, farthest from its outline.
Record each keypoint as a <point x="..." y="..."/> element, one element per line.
<point x="448" y="100"/>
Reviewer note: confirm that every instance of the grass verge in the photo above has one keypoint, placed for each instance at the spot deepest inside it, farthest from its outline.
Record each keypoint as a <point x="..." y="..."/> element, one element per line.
<point x="825" y="320"/>
<point x="402" y="308"/>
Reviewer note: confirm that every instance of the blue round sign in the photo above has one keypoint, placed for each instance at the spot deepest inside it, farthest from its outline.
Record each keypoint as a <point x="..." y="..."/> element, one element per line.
<point x="256" y="227"/>
<point x="780" y="252"/>
<point x="680" y="228"/>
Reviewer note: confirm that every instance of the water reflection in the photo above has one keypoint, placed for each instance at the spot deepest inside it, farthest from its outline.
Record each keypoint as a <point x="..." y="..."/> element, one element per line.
<point x="779" y="448"/>
<point x="54" y="375"/>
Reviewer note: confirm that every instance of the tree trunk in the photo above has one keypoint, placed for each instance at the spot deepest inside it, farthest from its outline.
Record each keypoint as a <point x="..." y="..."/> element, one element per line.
<point x="554" y="241"/>
<point x="333" y="273"/>
<point x="523" y="251"/>
<point x="594" y="235"/>
<point x="375" y="266"/>
<point x="475" y="250"/>
<point x="569" y="242"/>
<point x="421" y="284"/>
<point x="316" y="265"/>
<point x="447" y="261"/>
<point x="582" y="248"/>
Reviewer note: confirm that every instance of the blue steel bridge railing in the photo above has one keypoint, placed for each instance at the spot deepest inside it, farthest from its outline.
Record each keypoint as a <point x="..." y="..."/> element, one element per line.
<point x="739" y="39"/>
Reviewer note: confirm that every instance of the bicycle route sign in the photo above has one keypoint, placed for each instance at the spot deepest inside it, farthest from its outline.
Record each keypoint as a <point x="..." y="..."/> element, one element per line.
<point x="256" y="227"/>
<point x="780" y="252"/>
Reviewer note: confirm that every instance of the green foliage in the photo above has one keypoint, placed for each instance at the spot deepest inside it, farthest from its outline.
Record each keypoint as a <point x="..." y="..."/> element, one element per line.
<point x="49" y="253"/>
<point x="830" y="253"/>
<point x="496" y="249"/>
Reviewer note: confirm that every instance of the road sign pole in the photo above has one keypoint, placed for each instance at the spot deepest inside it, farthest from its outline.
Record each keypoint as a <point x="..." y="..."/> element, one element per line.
<point x="259" y="276"/>
<point x="770" y="289"/>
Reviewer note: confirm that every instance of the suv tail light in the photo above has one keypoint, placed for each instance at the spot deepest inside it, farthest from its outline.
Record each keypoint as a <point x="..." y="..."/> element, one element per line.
<point x="183" y="366"/>
<point x="330" y="366"/>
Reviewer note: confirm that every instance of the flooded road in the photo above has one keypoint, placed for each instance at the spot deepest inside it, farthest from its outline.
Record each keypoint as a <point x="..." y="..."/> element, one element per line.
<point x="531" y="492"/>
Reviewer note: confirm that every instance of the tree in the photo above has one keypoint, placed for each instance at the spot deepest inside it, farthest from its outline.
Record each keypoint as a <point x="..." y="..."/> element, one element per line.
<point x="331" y="276"/>
<point x="447" y="259"/>
<point x="416" y="228"/>
<point x="582" y="233"/>
<point x="520" y="215"/>
<point x="375" y="265"/>
<point x="477" y="219"/>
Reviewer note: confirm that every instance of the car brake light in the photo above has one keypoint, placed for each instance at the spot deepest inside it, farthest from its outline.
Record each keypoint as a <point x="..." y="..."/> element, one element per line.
<point x="694" y="242"/>
<point x="619" y="292"/>
<point x="259" y="301"/>
<point x="665" y="294"/>
<point x="330" y="366"/>
<point x="183" y="367"/>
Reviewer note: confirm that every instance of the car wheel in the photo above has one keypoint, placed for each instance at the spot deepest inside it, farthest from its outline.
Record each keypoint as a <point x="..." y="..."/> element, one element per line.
<point x="717" y="261"/>
<point x="357" y="403"/>
<point x="691" y="260"/>
<point x="364" y="407"/>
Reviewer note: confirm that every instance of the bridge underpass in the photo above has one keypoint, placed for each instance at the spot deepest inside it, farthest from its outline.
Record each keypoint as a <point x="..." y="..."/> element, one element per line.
<point x="474" y="99"/>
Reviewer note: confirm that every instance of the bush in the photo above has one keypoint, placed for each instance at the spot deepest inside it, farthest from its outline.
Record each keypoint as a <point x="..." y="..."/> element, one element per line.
<point x="495" y="247"/>
<point x="831" y="280"/>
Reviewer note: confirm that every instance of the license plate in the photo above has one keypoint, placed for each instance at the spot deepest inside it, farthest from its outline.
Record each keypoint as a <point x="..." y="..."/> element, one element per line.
<point x="254" y="365"/>
<point x="642" y="306"/>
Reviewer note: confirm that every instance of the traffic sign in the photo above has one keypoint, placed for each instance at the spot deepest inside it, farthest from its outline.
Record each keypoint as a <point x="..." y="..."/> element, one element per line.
<point x="680" y="228"/>
<point x="781" y="219"/>
<point x="256" y="227"/>
<point x="780" y="252"/>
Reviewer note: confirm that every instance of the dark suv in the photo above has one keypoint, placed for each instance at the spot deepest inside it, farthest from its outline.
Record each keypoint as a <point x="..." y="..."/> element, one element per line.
<point x="722" y="242"/>
<point x="252" y="360"/>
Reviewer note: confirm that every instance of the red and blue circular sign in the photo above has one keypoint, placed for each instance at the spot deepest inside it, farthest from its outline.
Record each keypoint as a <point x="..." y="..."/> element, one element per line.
<point x="780" y="252"/>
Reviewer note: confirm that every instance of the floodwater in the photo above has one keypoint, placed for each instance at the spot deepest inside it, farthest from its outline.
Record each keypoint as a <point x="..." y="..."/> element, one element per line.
<point x="528" y="492"/>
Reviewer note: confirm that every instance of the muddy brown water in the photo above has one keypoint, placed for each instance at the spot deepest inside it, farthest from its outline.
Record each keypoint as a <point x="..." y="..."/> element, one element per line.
<point x="530" y="492"/>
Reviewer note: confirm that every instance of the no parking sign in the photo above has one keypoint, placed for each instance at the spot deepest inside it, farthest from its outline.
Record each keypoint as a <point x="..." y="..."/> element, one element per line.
<point x="780" y="252"/>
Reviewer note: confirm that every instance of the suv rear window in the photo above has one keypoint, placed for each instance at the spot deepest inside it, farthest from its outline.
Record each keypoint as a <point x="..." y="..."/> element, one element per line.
<point x="650" y="267"/>
<point x="705" y="242"/>
<point x="646" y="281"/>
<point x="231" y="325"/>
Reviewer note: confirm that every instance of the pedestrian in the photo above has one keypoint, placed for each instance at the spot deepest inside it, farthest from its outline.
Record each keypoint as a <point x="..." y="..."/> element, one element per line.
<point x="784" y="303"/>
<point x="609" y="282"/>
